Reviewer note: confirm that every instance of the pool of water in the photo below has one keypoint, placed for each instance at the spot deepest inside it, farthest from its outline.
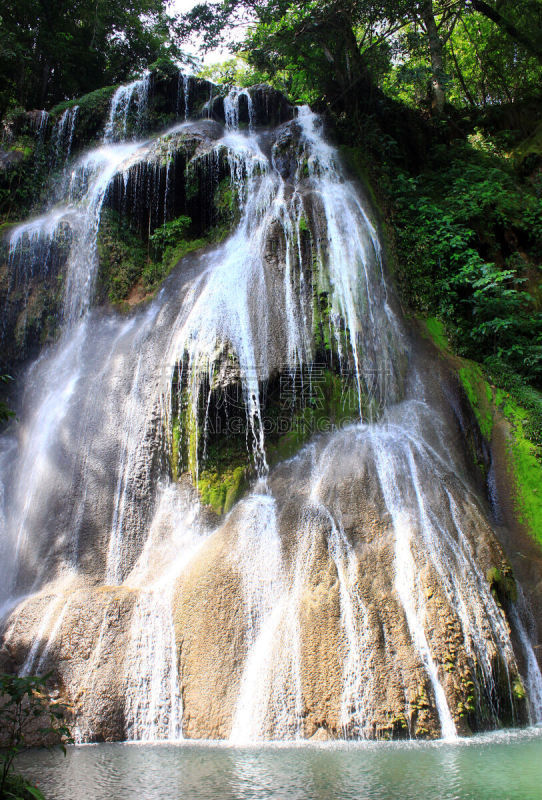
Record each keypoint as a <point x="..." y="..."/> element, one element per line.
<point x="499" y="766"/>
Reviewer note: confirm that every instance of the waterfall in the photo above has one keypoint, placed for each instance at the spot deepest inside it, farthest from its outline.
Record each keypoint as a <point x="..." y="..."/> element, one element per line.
<point x="183" y="94"/>
<point x="135" y="93"/>
<point x="524" y="625"/>
<point x="346" y="593"/>
<point x="63" y="135"/>
<point x="231" y="108"/>
<point x="153" y="699"/>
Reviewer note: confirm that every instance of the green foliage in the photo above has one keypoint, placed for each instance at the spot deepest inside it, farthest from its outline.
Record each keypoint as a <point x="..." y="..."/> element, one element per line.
<point x="308" y="50"/>
<point x="122" y="256"/>
<point x="156" y="270"/>
<point x="530" y="400"/>
<point x="27" y="717"/>
<point x="471" y="53"/>
<point x="232" y="72"/>
<point x="126" y="260"/>
<point x="20" y="181"/>
<point x="458" y="225"/>
<point x="53" y="51"/>
<point x="169" y="235"/>
<point x="482" y="62"/>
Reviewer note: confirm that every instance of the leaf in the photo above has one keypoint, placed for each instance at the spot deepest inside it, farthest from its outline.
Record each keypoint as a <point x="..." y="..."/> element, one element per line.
<point x="35" y="792"/>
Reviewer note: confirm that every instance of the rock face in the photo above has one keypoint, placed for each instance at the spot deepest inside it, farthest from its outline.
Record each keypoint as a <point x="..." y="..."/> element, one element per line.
<point x="357" y="587"/>
<point x="289" y="618"/>
<point x="330" y="648"/>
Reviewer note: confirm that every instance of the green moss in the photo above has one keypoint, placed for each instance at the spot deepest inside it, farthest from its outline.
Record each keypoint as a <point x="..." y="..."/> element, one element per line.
<point x="190" y="441"/>
<point x="220" y="467"/>
<point x="94" y="101"/>
<point x="476" y="387"/>
<point x="436" y="331"/>
<point x="334" y="404"/>
<point x="6" y="228"/>
<point x="502" y="584"/>
<point x="221" y="474"/>
<point x="175" y="441"/>
<point x="399" y="723"/>
<point x="518" y="689"/>
<point x="467" y="705"/>
<point x="191" y="183"/>
<point x="526" y="463"/>
<point x="303" y="224"/>
<point x="321" y="323"/>
<point x="227" y="201"/>
<point x="221" y="489"/>
<point x="524" y="453"/>
<point x="122" y="257"/>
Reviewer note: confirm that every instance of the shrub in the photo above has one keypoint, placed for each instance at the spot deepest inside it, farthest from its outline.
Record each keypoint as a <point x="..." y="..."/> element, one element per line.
<point x="27" y="717"/>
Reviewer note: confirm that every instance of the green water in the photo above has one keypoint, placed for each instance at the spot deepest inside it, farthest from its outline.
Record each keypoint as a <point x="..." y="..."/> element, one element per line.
<point x="502" y="766"/>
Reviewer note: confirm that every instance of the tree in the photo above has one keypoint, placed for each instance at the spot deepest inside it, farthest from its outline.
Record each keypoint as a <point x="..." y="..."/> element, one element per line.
<point x="52" y="51"/>
<point x="26" y="712"/>
<point x="504" y="15"/>
<point x="339" y="49"/>
<point x="337" y="44"/>
<point x="323" y="47"/>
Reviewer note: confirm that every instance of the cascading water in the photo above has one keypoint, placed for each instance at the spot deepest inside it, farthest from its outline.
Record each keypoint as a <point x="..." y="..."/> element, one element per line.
<point x="135" y="93"/>
<point x="346" y="593"/>
<point x="183" y="94"/>
<point x="63" y="135"/>
<point x="231" y="108"/>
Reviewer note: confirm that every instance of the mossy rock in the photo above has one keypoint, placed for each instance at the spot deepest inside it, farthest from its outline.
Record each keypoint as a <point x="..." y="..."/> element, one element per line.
<point x="221" y="490"/>
<point x="503" y="585"/>
<point x="91" y="116"/>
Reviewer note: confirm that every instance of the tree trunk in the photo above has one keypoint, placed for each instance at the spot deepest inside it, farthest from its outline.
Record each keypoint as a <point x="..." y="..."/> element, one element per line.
<point x="347" y="64"/>
<point x="45" y="75"/>
<point x="461" y="79"/>
<point x="436" y="53"/>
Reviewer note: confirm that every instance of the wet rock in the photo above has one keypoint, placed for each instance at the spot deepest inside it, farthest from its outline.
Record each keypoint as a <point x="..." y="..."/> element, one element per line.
<point x="10" y="159"/>
<point x="270" y="106"/>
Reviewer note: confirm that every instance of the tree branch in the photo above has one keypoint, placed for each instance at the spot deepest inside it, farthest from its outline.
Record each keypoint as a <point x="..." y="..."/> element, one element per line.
<point x="506" y="25"/>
